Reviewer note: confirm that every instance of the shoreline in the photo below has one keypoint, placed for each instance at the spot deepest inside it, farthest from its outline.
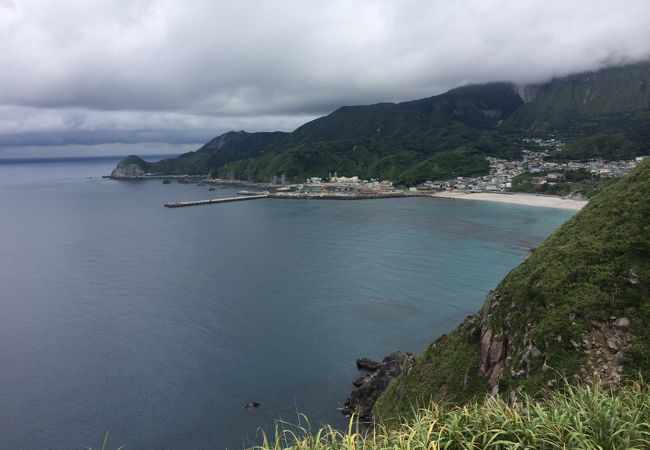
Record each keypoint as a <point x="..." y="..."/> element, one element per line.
<point x="543" y="201"/>
<point x="524" y="199"/>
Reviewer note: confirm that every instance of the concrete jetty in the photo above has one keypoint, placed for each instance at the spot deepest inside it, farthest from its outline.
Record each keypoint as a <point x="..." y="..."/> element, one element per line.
<point x="214" y="200"/>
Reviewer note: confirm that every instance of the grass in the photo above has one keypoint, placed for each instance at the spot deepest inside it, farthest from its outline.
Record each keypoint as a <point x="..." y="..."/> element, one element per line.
<point x="105" y="445"/>
<point x="575" y="417"/>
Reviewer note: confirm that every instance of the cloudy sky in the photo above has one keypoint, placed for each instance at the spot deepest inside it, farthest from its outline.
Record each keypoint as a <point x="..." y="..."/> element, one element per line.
<point x="147" y="76"/>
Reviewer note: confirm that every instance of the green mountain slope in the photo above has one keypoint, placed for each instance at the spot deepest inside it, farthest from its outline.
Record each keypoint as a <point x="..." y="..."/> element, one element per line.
<point x="408" y="142"/>
<point x="600" y="114"/>
<point x="230" y="146"/>
<point x="415" y="121"/>
<point x="577" y="307"/>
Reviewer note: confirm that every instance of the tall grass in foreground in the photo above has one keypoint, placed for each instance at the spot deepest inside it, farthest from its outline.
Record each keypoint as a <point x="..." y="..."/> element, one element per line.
<point x="577" y="417"/>
<point x="105" y="445"/>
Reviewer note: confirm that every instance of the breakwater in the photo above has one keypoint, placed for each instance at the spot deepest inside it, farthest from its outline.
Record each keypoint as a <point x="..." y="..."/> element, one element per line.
<point x="337" y="196"/>
<point x="293" y="196"/>
<point x="213" y="201"/>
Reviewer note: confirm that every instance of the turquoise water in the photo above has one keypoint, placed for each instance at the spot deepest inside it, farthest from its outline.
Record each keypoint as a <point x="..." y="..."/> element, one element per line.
<point x="157" y="325"/>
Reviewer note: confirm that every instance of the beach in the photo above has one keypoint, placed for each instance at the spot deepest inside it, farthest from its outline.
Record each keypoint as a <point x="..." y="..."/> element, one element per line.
<point x="545" y="201"/>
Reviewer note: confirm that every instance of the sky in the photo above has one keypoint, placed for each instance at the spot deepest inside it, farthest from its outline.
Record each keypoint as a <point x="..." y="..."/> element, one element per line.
<point x="163" y="76"/>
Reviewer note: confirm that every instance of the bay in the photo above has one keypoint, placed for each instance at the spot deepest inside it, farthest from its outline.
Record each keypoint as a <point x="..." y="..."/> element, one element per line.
<point x="157" y="325"/>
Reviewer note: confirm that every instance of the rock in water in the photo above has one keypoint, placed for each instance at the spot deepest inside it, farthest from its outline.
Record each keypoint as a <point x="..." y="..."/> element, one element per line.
<point x="367" y="364"/>
<point x="361" y="400"/>
<point x="251" y="405"/>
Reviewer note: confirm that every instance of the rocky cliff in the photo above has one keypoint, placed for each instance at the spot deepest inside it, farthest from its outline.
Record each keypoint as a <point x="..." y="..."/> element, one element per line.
<point x="578" y="308"/>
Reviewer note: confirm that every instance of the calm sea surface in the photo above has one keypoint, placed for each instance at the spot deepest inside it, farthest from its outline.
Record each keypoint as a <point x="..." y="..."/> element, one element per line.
<point x="157" y="325"/>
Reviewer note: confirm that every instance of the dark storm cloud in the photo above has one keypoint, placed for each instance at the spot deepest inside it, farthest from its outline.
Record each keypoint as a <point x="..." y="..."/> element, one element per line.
<point x="165" y="70"/>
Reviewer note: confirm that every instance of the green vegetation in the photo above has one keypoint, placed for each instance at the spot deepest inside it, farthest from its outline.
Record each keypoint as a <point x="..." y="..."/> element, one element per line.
<point x="458" y="162"/>
<point x="410" y="142"/>
<point x="603" y="114"/>
<point x="581" y="417"/>
<point x="323" y="158"/>
<point x="626" y="142"/>
<point x="105" y="444"/>
<point x="595" y="266"/>
<point x="446" y="371"/>
<point x="576" y="183"/>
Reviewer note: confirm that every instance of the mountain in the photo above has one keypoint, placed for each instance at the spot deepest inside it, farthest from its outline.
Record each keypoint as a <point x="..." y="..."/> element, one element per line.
<point x="577" y="307"/>
<point x="219" y="151"/>
<point x="476" y="107"/>
<point x="599" y="114"/>
<point x="409" y="142"/>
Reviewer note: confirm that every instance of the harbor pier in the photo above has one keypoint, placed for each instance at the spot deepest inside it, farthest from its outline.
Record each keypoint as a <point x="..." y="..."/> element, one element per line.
<point x="183" y="204"/>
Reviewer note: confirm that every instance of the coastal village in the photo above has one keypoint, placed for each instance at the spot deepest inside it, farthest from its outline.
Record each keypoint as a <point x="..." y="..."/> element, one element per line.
<point x="541" y="167"/>
<point x="503" y="171"/>
<point x="539" y="173"/>
<point x="498" y="180"/>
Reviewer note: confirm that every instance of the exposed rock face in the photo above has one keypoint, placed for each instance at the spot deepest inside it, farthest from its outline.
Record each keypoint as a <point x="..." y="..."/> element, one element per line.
<point x="622" y="323"/>
<point x="529" y="92"/>
<point x="494" y="345"/>
<point x="361" y="400"/>
<point x="130" y="167"/>
<point x="606" y="347"/>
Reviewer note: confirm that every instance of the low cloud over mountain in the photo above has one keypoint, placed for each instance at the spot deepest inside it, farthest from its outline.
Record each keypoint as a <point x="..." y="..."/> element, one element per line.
<point x="143" y="71"/>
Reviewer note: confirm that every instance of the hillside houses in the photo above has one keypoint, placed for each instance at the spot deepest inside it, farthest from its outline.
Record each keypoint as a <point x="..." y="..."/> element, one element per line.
<point x="503" y="171"/>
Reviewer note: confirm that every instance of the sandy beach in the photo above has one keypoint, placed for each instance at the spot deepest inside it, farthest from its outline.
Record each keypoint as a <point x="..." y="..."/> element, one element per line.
<point x="545" y="201"/>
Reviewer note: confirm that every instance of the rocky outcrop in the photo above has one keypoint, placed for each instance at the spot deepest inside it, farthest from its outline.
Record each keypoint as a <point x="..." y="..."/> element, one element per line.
<point x="361" y="400"/>
<point x="604" y="349"/>
<point x="499" y="353"/>
<point x="368" y="364"/>
<point x="494" y="345"/>
<point x="130" y="167"/>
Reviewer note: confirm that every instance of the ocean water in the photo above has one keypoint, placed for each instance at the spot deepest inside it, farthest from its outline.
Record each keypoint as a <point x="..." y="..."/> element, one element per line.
<point x="157" y="325"/>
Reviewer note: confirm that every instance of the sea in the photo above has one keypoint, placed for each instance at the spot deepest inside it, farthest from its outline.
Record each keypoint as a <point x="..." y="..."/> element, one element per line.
<point x="155" y="326"/>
